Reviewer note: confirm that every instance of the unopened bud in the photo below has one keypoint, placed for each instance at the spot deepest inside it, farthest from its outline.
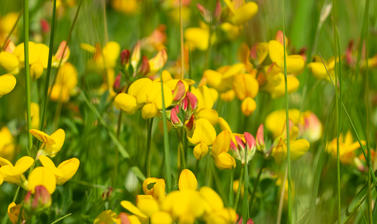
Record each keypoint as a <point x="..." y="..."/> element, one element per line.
<point x="40" y="200"/>
<point x="144" y="68"/>
<point x="125" y="57"/>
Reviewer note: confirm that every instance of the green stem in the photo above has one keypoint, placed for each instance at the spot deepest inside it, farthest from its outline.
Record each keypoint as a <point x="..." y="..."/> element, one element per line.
<point x="238" y="191"/>
<point x="166" y="141"/>
<point x="287" y="124"/>
<point x="48" y="75"/>
<point x="231" y="194"/>
<point x="245" y="201"/>
<point x="256" y="185"/>
<point x="338" y="78"/>
<point x="27" y="73"/>
<point x="149" y="154"/>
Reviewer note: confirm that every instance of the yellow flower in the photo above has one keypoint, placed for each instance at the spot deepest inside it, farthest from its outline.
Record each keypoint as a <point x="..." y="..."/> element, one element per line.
<point x="203" y="132"/>
<point x="38" y="57"/>
<point x="149" y="110"/>
<point x="275" y="121"/>
<point x="347" y="147"/>
<point x="200" y="150"/>
<point x="248" y="106"/>
<point x="161" y="218"/>
<point x="7" y="145"/>
<point x="110" y="54"/>
<point x="228" y="95"/>
<point x="206" y="96"/>
<point x="9" y="62"/>
<point x="14" y="174"/>
<point x="298" y="147"/>
<point x="322" y="69"/>
<point x="245" y="85"/>
<point x="222" y="142"/>
<point x="147" y="204"/>
<point x="225" y="161"/>
<point x="209" y="114"/>
<point x="155" y="187"/>
<point x="157" y="62"/>
<point x="187" y="180"/>
<point x="42" y="176"/>
<point x="186" y="205"/>
<point x="125" y="6"/>
<point x="126" y="103"/>
<point x="51" y="144"/>
<point x="65" y="170"/>
<point x="66" y="81"/>
<point x="197" y="38"/>
<point x="244" y="13"/>
<point x="295" y="63"/>
<point x="14" y="213"/>
<point x="107" y="217"/>
<point x="133" y="209"/>
<point x="7" y="84"/>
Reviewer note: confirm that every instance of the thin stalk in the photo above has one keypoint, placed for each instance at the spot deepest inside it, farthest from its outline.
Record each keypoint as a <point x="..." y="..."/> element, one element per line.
<point x="245" y="201"/>
<point x="48" y="75"/>
<point x="364" y="35"/>
<point x="181" y="39"/>
<point x="149" y="154"/>
<point x="256" y="185"/>
<point x="166" y="141"/>
<point x="280" y="209"/>
<point x="66" y="46"/>
<point x="364" y="28"/>
<point x="11" y="31"/>
<point x="61" y="218"/>
<point x="231" y="194"/>
<point x="338" y="79"/>
<point x="238" y="191"/>
<point x="27" y="73"/>
<point x="287" y="124"/>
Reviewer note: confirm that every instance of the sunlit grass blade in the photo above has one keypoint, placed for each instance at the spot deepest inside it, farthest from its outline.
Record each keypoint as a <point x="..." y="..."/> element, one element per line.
<point x="289" y="177"/>
<point x="27" y="74"/>
<point x="49" y="66"/>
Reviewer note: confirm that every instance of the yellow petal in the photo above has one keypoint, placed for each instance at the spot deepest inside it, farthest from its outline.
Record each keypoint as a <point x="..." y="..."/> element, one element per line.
<point x="147" y="204"/>
<point x="42" y="176"/>
<point x="67" y="168"/>
<point x="222" y="142"/>
<point x="133" y="209"/>
<point x="23" y="164"/>
<point x="225" y="161"/>
<point x="125" y="102"/>
<point x="200" y="150"/>
<point x="140" y="90"/>
<point x="9" y="62"/>
<point x="41" y="136"/>
<point x="212" y="198"/>
<point x="295" y="64"/>
<point x="7" y="84"/>
<point x="59" y="137"/>
<point x="161" y="218"/>
<point x="245" y="13"/>
<point x="187" y="180"/>
<point x="203" y="132"/>
<point x="149" y="110"/>
<point x="210" y="114"/>
<point x="276" y="52"/>
<point x="299" y="147"/>
<point x="248" y="106"/>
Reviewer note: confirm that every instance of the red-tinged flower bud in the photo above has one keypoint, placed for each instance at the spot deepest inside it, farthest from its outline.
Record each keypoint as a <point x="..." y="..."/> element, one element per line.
<point x="217" y="13"/>
<point x="174" y="115"/>
<point x="249" y="221"/>
<point x="117" y="82"/>
<point x="40" y="200"/>
<point x="250" y="140"/>
<point x="349" y="58"/>
<point x="144" y="68"/>
<point x="260" y="138"/>
<point x="107" y="193"/>
<point x="124" y="218"/>
<point x="193" y="101"/>
<point x="190" y="123"/>
<point x="44" y="26"/>
<point x="204" y="12"/>
<point x="179" y="91"/>
<point x="280" y="37"/>
<point x="125" y="57"/>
